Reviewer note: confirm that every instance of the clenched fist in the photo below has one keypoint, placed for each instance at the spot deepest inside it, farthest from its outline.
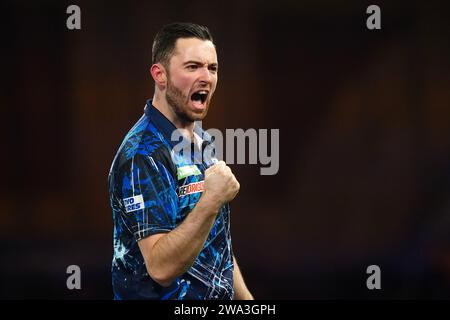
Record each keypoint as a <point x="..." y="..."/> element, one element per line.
<point x="220" y="184"/>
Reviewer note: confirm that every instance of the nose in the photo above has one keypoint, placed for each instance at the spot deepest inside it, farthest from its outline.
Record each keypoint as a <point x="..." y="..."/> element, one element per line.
<point x="205" y="76"/>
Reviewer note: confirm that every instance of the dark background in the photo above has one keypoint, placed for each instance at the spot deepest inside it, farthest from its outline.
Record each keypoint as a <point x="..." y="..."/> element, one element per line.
<point x="364" y="119"/>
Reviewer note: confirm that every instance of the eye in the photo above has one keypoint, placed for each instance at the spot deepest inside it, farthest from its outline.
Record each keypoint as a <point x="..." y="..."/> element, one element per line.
<point x="192" y="67"/>
<point x="213" y="68"/>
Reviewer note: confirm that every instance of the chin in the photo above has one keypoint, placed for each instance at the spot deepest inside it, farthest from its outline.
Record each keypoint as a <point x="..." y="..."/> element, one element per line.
<point x="199" y="115"/>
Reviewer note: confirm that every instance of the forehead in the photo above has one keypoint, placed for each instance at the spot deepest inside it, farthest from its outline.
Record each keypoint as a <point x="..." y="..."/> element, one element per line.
<point x="196" y="50"/>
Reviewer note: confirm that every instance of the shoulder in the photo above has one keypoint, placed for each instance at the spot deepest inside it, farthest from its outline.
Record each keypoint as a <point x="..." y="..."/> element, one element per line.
<point x="144" y="146"/>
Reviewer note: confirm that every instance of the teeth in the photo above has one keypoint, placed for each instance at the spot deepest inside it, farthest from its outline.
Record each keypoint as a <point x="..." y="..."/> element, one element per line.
<point x="203" y="92"/>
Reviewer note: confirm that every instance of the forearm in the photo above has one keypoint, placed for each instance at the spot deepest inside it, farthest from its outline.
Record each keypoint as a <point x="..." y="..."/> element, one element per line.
<point x="241" y="291"/>
<point x="175" y="252"/>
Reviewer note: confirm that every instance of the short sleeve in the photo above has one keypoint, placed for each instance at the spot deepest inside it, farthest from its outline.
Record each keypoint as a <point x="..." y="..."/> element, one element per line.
<point x="149" y="198"/>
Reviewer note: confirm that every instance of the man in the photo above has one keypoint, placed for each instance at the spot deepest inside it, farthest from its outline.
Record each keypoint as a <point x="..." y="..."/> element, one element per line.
<point x="170" y="209"/>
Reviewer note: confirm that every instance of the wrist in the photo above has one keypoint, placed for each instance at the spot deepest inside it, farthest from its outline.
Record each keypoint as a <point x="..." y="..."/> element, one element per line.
<point x="210" y="203"/>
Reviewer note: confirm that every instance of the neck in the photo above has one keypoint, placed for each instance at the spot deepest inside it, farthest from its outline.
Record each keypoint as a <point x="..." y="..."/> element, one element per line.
<point x="159" y="102"/>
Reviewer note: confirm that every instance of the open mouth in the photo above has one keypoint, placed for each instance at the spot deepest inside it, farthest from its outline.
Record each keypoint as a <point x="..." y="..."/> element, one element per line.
<point x="200" y="96"/>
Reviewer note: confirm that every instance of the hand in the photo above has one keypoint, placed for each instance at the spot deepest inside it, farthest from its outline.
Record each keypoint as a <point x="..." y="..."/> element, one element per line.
<point x="220" y="184"/>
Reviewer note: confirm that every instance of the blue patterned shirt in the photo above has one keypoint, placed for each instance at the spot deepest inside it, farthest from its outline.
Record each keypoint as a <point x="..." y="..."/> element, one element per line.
<point x="153" y="186"/>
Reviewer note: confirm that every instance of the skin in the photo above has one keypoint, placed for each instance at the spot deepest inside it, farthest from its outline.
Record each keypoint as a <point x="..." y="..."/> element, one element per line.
<point x="192" y="67"/>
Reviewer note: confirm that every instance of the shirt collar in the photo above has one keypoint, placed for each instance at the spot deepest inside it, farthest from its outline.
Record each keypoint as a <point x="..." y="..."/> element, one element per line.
<point x="166" y="127"/>
<point x="160" y="121"/>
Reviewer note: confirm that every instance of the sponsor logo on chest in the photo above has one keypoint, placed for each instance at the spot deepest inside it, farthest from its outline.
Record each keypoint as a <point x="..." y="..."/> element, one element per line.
<point x="190" y="188"/>
<point x="185" y="171"/>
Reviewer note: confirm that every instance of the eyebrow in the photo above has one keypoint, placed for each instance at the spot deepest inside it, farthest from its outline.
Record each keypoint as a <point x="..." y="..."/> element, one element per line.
<point x="214" y="64"/>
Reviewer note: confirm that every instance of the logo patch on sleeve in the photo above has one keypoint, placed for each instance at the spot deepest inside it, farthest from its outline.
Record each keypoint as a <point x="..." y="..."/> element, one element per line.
<point x="134" y="203"/>
<point x="190" y="188"/>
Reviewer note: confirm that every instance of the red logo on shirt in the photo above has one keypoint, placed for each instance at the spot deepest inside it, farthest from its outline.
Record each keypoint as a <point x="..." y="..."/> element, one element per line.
<point x="190" y="188"/>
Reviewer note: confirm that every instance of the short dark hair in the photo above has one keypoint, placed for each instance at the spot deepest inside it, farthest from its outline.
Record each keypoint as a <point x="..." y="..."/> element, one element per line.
<point x="166" y="38"/>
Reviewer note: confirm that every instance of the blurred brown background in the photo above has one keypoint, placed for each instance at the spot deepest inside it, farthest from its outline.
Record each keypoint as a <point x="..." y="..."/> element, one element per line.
<point x="364" y="119"/>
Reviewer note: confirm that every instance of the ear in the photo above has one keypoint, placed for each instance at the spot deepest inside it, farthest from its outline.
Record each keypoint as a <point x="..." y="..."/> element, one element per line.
<point x="158" y="73"/>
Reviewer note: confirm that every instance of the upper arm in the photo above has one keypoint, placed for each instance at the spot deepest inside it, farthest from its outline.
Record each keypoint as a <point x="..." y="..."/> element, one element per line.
<point x="149" y="201"/>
